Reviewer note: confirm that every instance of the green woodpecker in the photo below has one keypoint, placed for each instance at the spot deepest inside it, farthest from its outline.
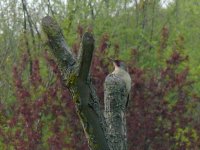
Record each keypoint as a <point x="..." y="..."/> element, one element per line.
<point x="120" y="71"/>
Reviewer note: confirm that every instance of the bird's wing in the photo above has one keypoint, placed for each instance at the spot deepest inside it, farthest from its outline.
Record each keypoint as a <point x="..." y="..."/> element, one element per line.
<point x="128" y="99"/>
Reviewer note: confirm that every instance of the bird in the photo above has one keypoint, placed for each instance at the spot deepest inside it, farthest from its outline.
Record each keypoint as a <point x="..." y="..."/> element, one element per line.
<point x="121" y="72"/>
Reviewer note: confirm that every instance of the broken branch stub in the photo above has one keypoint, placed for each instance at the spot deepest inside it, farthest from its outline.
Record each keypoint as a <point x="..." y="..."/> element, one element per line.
<point x="75" y="74"/>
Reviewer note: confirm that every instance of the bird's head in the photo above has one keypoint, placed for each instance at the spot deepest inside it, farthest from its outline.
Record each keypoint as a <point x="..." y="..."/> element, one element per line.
<point x="119" y="64"/>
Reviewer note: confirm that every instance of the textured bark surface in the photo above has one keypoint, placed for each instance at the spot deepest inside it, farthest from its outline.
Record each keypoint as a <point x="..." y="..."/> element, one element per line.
<point x="115" y="98"/>
<point x="76" y="78"/>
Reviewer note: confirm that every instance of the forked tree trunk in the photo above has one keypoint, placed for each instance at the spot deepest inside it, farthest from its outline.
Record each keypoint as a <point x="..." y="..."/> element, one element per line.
<point x="75" y="75"/>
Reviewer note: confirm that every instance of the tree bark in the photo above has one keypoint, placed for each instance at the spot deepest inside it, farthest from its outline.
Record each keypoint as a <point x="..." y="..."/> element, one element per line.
<point x="76" y="77"/>
<point x="115" y="99"/>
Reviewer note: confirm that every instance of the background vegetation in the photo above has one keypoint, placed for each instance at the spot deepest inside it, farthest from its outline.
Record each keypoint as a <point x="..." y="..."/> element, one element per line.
<point x="159" y="40"/>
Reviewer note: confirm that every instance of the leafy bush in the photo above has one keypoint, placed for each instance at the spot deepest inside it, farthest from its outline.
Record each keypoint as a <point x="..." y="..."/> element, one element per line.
<point x="43" y="116"/>
<point x="161" y="114"/>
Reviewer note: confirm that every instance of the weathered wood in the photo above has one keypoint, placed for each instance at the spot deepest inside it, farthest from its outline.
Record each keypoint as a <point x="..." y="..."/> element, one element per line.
<point x="107" y="133"/>
<point x="57" y="42"/>
<point x="76" y="78"/>
<point x="115" y="99"/>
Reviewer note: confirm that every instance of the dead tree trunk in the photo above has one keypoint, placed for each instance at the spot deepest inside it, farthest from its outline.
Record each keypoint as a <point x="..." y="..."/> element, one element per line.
<point x="76" y="77"/>
<point x="115" y="98"/>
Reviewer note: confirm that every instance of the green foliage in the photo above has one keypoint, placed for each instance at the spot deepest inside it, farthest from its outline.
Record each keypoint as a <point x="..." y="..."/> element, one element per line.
<point x="146" y="30"/>
<point x="181" y="136"/>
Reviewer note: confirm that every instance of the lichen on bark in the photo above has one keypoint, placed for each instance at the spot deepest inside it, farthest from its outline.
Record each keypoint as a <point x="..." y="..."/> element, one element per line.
<point x="75" y="74"/>
<point x="115" y="98"/>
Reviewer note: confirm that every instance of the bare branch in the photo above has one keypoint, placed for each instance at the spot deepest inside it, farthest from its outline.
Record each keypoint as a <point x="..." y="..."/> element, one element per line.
<point x="57" y="42"/>
<point x="85" y="56"/>
<point x="76" y="79"/>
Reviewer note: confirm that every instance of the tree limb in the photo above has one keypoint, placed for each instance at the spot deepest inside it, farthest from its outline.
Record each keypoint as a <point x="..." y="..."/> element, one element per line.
<point x="57" y="42"/>
<point x="115" y="99"/>
<point x="85" y="56"/>
<point x="75" y="74"/>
